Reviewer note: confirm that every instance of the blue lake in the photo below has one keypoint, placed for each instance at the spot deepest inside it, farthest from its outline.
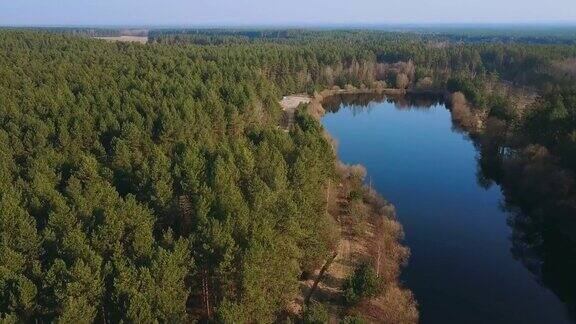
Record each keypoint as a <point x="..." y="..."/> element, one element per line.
<point x="461" y="268"/>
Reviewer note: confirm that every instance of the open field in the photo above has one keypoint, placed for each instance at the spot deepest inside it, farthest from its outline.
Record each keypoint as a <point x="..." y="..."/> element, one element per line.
<point x="135" y="39"/>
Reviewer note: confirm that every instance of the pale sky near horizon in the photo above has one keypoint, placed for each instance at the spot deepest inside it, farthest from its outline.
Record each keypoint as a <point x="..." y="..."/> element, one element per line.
<point x="282" y="12"/>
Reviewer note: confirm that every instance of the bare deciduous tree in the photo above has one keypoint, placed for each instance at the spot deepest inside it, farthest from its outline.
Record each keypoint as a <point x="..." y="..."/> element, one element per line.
<point x="402" y="81"/>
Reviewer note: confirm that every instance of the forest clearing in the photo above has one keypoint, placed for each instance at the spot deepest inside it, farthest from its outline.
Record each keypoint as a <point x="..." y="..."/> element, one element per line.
<point x="124" y="38"/>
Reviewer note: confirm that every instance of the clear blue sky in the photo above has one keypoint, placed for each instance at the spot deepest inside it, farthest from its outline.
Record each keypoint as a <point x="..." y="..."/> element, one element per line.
<point x="282" y="12"/>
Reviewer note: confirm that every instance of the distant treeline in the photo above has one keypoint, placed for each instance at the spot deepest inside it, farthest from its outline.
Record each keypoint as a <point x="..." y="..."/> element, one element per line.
<point x="513" y="34"/>
<point x="88" y="31"/>
<point x="542" y="35"/>
<point x="431" y="53"/>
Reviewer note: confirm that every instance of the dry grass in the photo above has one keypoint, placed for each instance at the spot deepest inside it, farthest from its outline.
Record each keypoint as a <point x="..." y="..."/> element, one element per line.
<point x="369" y="232"/>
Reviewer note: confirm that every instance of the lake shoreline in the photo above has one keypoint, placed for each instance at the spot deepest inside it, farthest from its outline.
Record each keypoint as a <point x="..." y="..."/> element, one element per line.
<point x="385" y="139"/>
<point x="380" y="244"/>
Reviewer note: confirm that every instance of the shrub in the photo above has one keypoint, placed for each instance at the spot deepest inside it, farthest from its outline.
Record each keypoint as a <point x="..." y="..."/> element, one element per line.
<point x="501" y="108"/>
<point x="315" y="313"/>
<point x="355" y="195"/>
<point x="468" y="88"/>
<point x="363" y="283"/>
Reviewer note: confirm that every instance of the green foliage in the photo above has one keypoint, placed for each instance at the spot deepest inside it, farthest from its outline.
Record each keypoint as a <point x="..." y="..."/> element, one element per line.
<point x="468" y="88"/>
<point x="363" y="283"/>
<point x="501" y="108"/>
<point x="355" y="195"/>
<point x="353" y="320"/>
<point x="315" y="313"/>
<point x="132" y="174"/>
<point x="552" y="123"/>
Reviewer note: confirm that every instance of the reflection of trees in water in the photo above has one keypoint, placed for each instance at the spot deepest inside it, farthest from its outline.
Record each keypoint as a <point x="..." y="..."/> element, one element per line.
<point x="538" y="195"/>
<point x="545" y="245"/>
<point x="367" y="101"/>
<point x="354" y="102"/>
<point x="539" y="198"/>
<point x="416" y="101"/>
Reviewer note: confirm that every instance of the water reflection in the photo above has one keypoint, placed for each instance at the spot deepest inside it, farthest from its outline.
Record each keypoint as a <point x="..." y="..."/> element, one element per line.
<point x="367" y="101"/>
<point x="537" y="197"/>
<point x="541" y="212"/>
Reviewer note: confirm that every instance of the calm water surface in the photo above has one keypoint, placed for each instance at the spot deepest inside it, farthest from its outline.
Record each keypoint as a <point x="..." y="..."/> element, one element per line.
<point x="461" y="269"/>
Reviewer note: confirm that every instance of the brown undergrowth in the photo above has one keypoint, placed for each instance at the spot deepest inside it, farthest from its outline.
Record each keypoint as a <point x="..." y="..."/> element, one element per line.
<point x="369" y="233"/>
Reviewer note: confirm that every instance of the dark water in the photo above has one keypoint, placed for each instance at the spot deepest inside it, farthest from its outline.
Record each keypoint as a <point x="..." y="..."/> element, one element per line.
<point x="462" y="269"/>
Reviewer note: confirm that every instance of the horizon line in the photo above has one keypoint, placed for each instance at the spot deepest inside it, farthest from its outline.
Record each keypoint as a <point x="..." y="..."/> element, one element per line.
<point x="567" y="24"/>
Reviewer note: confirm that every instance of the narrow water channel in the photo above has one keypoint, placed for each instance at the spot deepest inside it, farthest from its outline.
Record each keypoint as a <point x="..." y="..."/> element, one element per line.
<point x="462" y="269"/>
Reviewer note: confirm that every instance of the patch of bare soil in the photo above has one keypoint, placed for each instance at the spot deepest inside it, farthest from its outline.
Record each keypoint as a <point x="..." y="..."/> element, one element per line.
<point x="293" y="101"/>
<point x="289" y="105"/>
